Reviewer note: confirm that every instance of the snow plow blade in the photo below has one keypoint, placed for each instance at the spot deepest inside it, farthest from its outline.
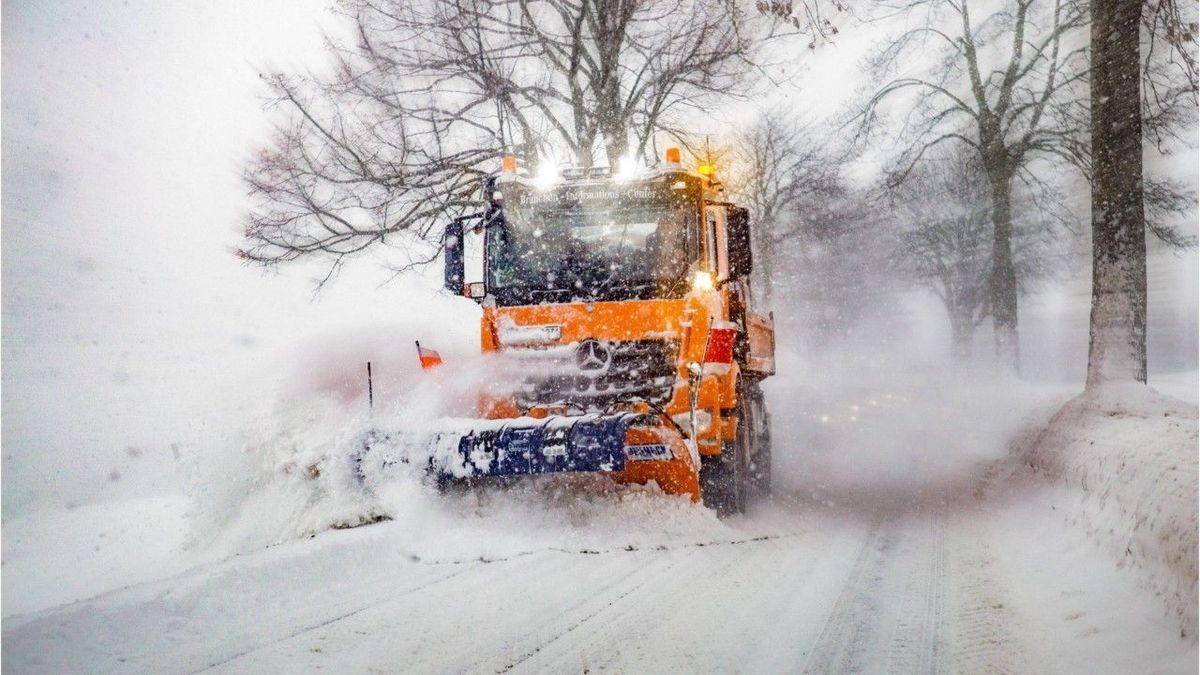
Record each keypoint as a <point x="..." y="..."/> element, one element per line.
<point x="633" y="447"/>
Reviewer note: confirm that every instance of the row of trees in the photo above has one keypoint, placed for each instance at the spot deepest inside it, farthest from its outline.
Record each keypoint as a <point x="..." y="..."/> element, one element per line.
<point x="852" y="244"/>
<point x="1025" y="104"/>
<point x="993" y="99"/>
<point x="976" y="105"/>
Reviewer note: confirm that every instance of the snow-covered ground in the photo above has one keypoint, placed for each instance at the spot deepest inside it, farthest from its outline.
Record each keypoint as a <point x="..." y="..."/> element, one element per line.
<point x="57" y="557"/>
<point x="924" y="546"/>
<point x="795" y="587"/>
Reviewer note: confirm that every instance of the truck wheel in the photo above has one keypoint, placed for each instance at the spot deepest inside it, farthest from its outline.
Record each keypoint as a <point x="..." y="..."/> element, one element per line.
<point x="723" y="482"/>
<point x="760" y="457"/>
<point x="725" y="478"/>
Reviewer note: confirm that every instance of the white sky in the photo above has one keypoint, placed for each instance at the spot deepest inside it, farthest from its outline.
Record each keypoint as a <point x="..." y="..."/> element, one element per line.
<point x="124" y="129"/>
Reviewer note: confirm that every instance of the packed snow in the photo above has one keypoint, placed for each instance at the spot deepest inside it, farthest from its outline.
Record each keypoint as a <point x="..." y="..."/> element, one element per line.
<point x="1130" y="452"/>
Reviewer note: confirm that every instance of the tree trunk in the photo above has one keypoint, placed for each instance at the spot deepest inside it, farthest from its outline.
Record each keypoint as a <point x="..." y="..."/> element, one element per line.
<point x="1003" y="284"/>
<point x="764" y="266"/>
<point x="583" y="156"/>
<point x="1117" y="348"/>
<point x="962" y="332"/>
<point x="616" y="141"/>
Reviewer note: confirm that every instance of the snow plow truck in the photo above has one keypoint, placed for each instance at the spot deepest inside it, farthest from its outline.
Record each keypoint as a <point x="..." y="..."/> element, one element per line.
<point x="627" y="303"/>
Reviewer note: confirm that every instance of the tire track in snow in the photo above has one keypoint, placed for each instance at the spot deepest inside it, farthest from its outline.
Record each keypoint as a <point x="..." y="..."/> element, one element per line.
<point x="903" y="592"/>
<point x="592" y="606"/>
<point x="466" y="566"/>
<point x="982" y="641"/>
<point x="905" y="605"/>
<point x="611" y="550"/>
<point x="748" y="619"/>
<point x="891" y="613"/>
<point x="600" y="604"/>
<point x="332" y="620"/>
<point x="367" y="639"/>
<point x="851" y="620"/>
<point x="918" y="641"/>
<point x="670" y="580"/>
<point x="727" y="609"/>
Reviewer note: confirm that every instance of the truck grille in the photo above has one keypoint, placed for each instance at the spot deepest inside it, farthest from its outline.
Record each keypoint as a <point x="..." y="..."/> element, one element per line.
<point x="596" y="373"/>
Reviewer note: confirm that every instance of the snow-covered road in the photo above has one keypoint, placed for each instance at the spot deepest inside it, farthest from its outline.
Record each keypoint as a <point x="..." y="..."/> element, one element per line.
<point x="903" y="537"/>
<point x="954" y="583"/>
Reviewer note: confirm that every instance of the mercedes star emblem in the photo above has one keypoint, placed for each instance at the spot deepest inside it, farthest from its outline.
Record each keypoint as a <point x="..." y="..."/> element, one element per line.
<point x="593" y="355"/>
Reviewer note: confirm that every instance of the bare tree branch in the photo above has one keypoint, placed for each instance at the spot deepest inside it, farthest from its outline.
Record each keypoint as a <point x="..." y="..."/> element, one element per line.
<point x="430" y="93"/>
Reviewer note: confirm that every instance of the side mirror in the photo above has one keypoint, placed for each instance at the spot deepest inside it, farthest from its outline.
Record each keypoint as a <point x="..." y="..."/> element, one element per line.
<point x="741" y="260"/>
<point x="452" y="251"/>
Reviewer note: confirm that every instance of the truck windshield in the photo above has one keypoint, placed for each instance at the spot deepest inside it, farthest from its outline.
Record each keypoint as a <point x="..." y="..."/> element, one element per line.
<point x="590" y="242"/>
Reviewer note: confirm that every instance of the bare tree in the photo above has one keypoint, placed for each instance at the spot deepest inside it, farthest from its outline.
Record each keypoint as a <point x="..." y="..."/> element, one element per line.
<point x="1170" y="99"/>
<point x="835" y="269"/>
<point x="812" y="17"/>
<point x="817" y="242"/>
<point x="1170" y="82"/>
<point x="783" y="173"/>
<point x="942" y="220"/>
<point x="1009" y="86"/>
<point x="943" y="240"/>
<point x="431" y="92"/>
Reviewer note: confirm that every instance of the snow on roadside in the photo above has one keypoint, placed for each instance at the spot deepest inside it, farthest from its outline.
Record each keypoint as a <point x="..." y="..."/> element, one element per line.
<point x="1132" y="452"/>
<point x="53" y="557"/>
<point x="1076" y="610"/>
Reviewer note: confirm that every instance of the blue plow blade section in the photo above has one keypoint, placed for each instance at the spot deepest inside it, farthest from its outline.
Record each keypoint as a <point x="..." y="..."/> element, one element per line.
<point x="519" y="446"/>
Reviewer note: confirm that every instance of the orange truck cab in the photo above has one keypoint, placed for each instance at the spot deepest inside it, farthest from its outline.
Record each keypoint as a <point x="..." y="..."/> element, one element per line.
<point x="621" y="297"/>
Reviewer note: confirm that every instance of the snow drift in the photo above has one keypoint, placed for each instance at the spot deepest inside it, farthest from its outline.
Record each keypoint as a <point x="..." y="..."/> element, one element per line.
<point x="1132" y="453"/>
<point x="291" y="472"/>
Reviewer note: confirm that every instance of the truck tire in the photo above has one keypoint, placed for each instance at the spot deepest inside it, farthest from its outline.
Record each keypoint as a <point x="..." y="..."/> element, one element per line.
<point x="723" y="483"/>
<point x="760" y="457"/>
<point x="725" y="478"/>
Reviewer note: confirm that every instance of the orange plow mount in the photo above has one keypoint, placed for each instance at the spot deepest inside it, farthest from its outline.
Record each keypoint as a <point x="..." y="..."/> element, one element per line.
<point x="660" y="454"/>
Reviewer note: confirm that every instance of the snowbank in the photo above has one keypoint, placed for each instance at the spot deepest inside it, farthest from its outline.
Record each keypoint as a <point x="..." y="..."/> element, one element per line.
<point x="1133" y="453"/>
<point x="55" y="557"/>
